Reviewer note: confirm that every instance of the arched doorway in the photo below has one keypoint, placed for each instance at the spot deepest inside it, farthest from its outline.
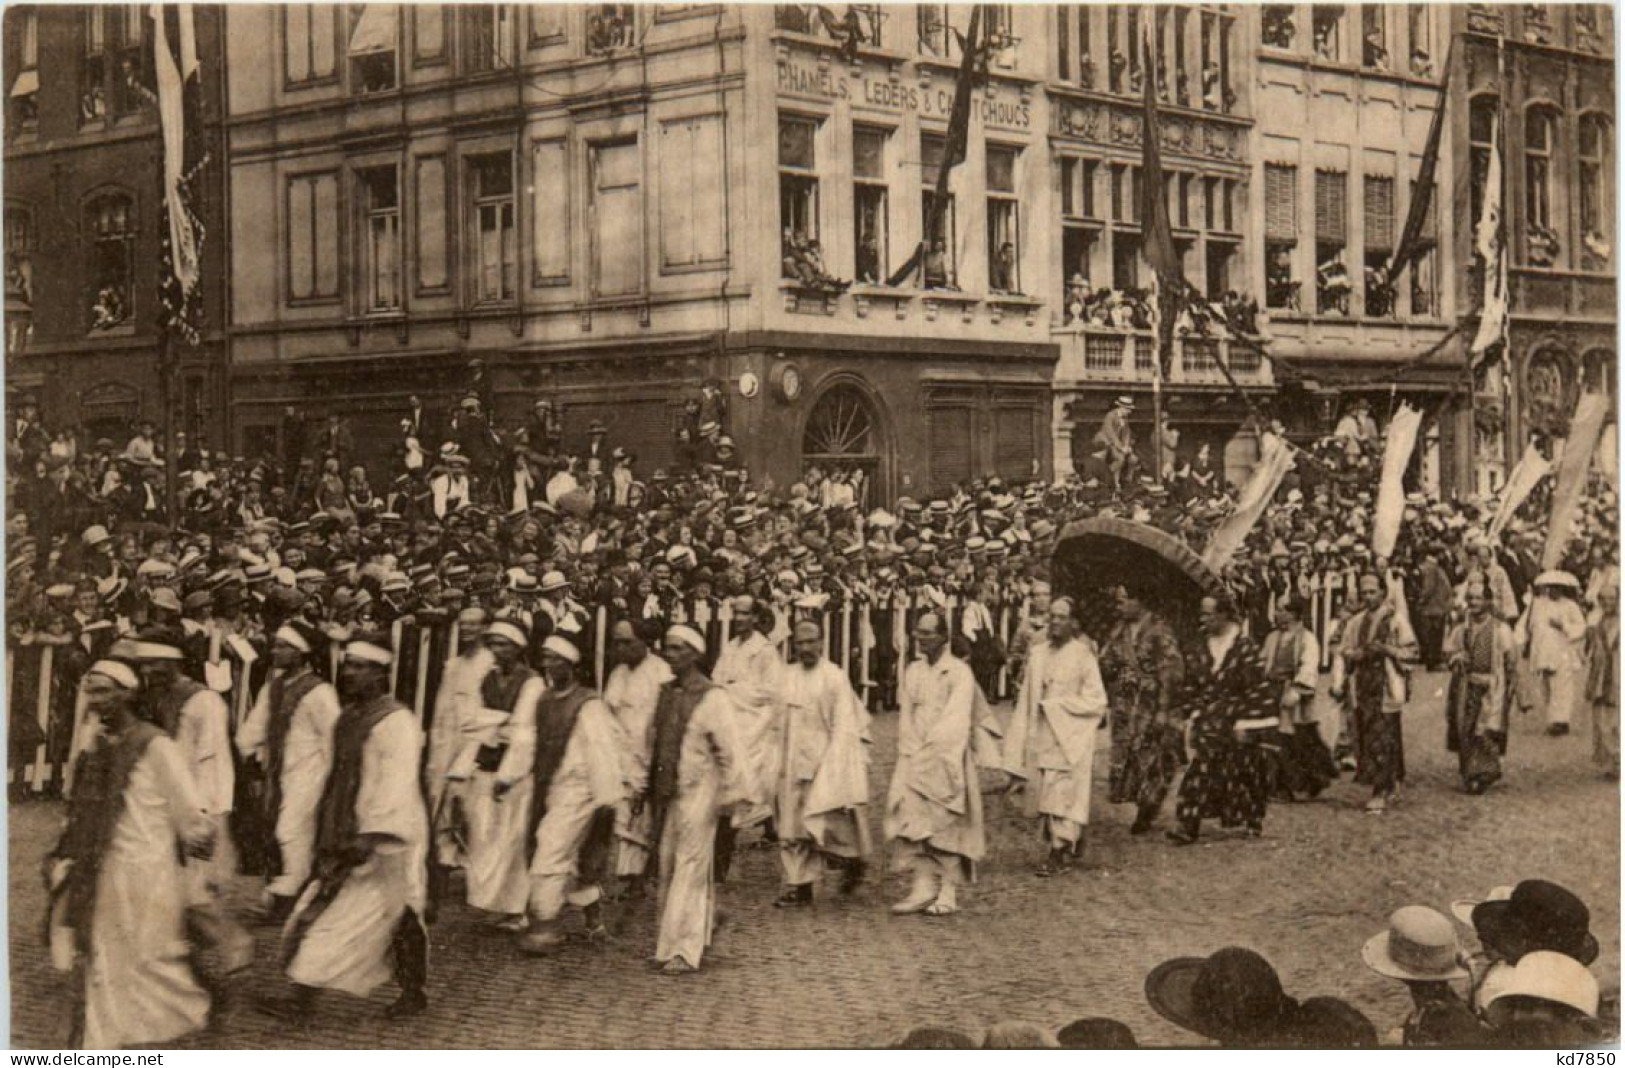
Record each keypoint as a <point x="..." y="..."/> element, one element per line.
<point x="844" y="430"/>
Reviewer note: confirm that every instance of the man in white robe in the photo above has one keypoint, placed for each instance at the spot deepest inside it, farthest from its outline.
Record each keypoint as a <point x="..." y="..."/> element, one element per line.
<point x="934" y="806"/>
<point x="196" y="718"/>
<point x="749" y="668"/>
<point x="632" y="694"/>
<point x="694" y="774"/>
<point x="497" y="820"/>
<point x="359" y="921"/>
<point x="459" y="689"/>
<point x="1552" y="633"/>
<point x="822" y="801"/>
<point x="118" y="892"/>
<point x="289" y="731"/>
<point x="566" y="745"/>
<point x="1052" y="732"/>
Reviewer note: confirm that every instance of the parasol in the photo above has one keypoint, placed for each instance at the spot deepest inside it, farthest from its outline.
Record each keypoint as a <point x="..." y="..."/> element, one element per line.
<point x="1104" y="552"/>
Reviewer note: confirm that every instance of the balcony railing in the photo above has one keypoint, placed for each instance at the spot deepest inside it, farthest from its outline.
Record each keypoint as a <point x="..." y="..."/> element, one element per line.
<point x="1098" y="354"/>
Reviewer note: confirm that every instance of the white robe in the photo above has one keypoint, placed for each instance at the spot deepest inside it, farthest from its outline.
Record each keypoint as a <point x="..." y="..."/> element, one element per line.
<point x="497" y="826"/>
<point x="632" y="695"/>
<point x="307" y="757"/>
<point x="348" y="947"/>
<point x="459" y="684"/>
<point x="935" y="798"/>
<point x="1052" y="732"/>
<point x="590" y="776"/>
<point x="823" y="787"/>
<point x="751" y="670"/>
<point x="203" y="732"/>
<point x="708" y="779"/>
<point x="139" y="983"/>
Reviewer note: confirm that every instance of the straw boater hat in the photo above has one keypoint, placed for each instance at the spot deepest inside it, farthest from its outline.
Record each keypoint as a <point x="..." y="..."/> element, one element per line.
<point x="1419" y="945"/>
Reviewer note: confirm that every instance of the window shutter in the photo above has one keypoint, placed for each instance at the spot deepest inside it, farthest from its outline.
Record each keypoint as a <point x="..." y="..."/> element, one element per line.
<point x="1280" y="202"/>
<point x="550" y="211"/>
<point x="1013" y="443"/>
<point x="1331" y="206"/>
<point x="1379" y="214"/>
<point x="950" y="447"/>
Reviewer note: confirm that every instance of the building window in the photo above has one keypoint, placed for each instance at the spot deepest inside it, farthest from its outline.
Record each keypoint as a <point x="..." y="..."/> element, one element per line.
<point x="380" y="239"/>
<point x="1420" y="23"/>
<point x="1078" y="188"/>
<point x="20" y="241"/>
<point x="111" y="68"/>
<point x="1003" y="221"/>
<point x="1134" y="50"/>
<point x="998" y="27"/>
<point x="491" y="204"/>
<point x="313" y="237"/>
<point x="1280" y="236"/>
<point x="1332" y="282"/>
<point x="611" y="27"/>
<point x="487" y="36"/>
<point x="693" y="232"/>
<point x="1481" y="120"/>
<point x="428" y="34"/>
<point x="309" y="35"/>
<point x="546" y="24"/>
<point x="1220" y="254"/>
<point x="374" y="32"/>
<point x="797" y="18"/>
<point x="1374" y="37"/>
<point x="1279" y="26"/>
<point x="1182" y="80"/>
<point x="1596" y="227"/>
<point x="940" y="228"/>
<point x="1073" y="44"/>
<point x="1078" y="236"/>
<point x="1539" y="141"/>
<point x="617" y="219"/>
<point x="931" y="23"/>
<point x="1379" y="243"/>
<point x="871" y="225"/>
<point x="798" y="189"/>
<point x="1424" y="278"/>
<point x="24" y="92"/>
<point x="1326" y="24"/>
<point x="1125" y="259"/>
<point x="111" y="224"/>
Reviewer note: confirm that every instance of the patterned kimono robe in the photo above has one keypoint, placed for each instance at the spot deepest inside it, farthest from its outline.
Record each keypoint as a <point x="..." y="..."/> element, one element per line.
<point x="1142" y="666"/>
<point x="1230" y="777"/>
<point x="1378" y="690"/>
<point x="1483" y="661"/>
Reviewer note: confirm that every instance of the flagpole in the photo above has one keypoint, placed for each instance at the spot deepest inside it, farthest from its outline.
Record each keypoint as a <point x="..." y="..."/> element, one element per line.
<point x="166" y="406"/>
<point x="1506" y="321"/>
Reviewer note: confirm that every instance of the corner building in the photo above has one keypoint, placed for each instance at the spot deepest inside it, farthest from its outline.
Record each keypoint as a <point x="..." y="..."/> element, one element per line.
<point x="591" y="199"/>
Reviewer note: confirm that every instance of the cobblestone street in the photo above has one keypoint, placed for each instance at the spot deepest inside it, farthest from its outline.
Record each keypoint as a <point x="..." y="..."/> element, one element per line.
<point x="847" y="973"/>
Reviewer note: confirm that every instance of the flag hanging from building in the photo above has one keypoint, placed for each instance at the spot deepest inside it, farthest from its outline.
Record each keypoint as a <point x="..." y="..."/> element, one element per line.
<point x="1492" y="254"/>
<point x="1157" y="246"/>
<point x="1526" y="475"/>
<point x="954" y="146"/>
<point x="173" y="79"/>
<point x="1584" y="430"/>
<point x="1414" y="240"/>
<point x="1396" y="457"/>
<point x="1260" y="489"/>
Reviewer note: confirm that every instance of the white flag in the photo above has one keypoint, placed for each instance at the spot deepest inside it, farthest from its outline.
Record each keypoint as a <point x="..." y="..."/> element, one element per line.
<point x="1396" y="456"/>
<point x="1584" y="430"/>
<point x="1491" y="245"/>
<point x="1526" y="475"/>
<point x="1260" y="489"/>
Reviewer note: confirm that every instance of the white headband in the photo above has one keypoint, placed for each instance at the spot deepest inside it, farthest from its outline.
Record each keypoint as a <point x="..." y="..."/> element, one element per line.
<point x="504" y="629"/>
<point x="368" y="653"/>
<point x="117" y="672"/>
<point x="561" y="648"/>
<point x="688" y="636"/>
<point x="288" y="636"/>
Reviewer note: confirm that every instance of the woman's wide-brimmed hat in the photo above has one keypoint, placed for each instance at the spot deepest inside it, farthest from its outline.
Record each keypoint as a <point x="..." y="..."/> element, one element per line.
<point x="1233" y="996"/>
<point x="1538" y="915"/>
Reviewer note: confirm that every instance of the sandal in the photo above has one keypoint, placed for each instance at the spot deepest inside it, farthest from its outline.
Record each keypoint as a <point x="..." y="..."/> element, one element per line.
<point x="1181" y="838"/>
<point x="937" y="908"/>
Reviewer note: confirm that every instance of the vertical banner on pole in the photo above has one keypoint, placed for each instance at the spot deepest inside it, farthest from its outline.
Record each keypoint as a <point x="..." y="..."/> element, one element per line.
<point x="600" y="629"/>
<point x="47" y="679"/>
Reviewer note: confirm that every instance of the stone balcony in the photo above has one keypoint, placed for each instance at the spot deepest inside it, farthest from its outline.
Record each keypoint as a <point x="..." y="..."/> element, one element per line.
<point x="1094" y="354"/>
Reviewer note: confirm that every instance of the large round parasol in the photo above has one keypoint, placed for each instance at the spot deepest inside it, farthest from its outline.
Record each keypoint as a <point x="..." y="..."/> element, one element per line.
<point x="1094" y="555"/>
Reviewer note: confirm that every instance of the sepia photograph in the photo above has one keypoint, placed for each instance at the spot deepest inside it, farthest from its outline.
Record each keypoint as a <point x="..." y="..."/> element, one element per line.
<point x="796" y="526"/>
